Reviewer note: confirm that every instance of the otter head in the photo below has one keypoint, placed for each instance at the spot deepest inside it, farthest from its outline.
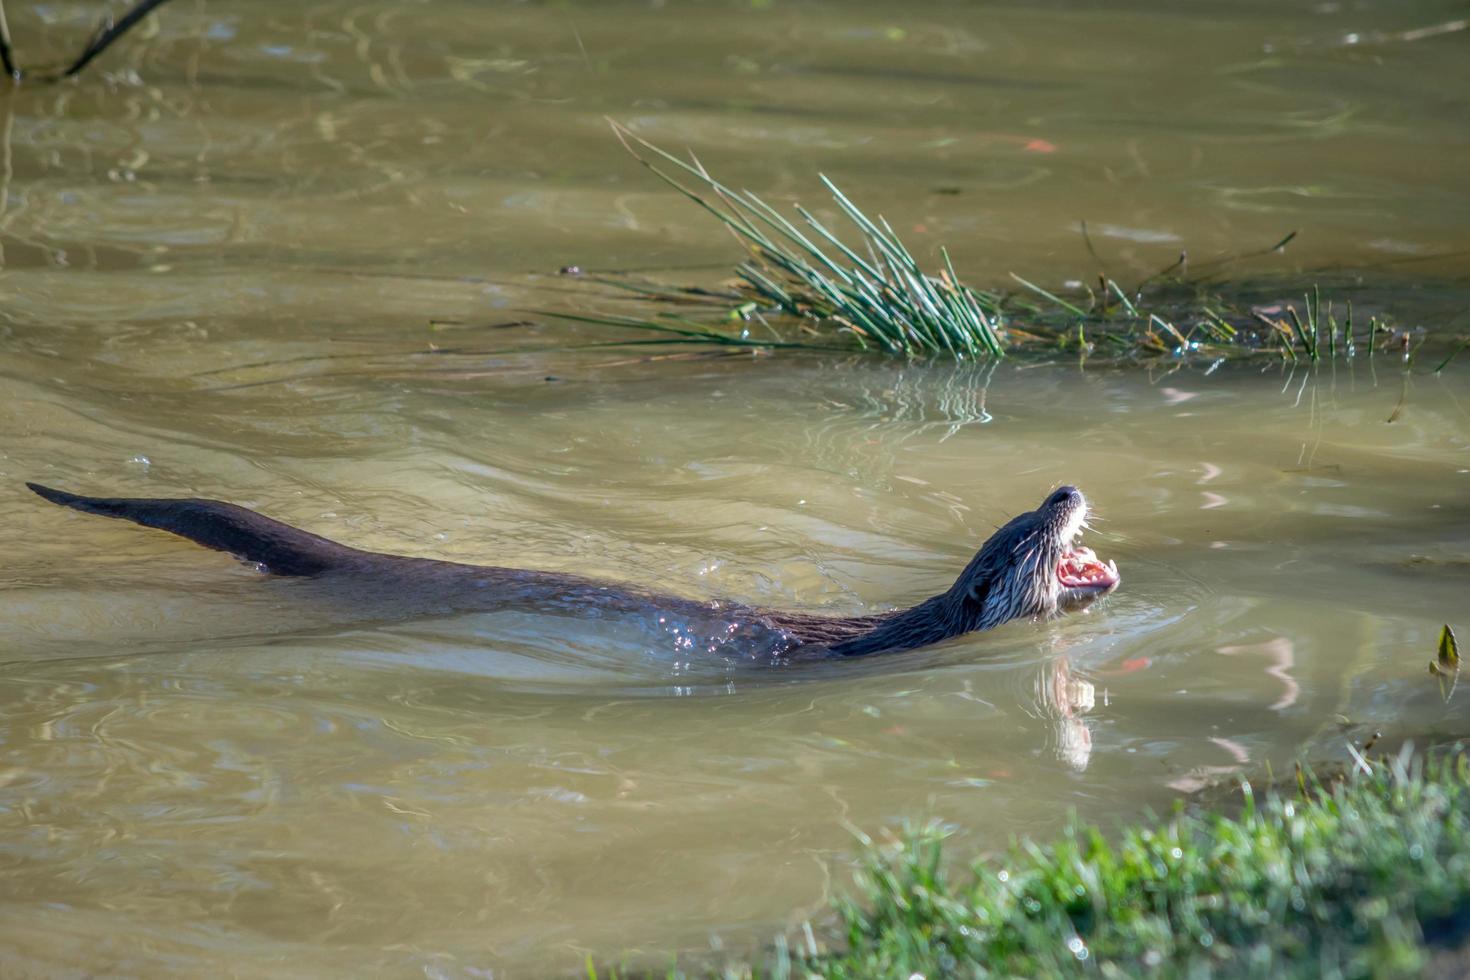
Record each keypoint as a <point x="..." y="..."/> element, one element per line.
<point x="1033" y="566"/>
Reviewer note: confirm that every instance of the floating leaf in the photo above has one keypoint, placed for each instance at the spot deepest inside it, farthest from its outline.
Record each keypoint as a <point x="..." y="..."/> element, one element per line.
<point x="1446" y="663"/>
<point x="1449" y="650"/>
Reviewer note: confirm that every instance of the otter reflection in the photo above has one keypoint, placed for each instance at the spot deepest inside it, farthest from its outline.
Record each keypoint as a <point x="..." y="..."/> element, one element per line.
<point x="1031" y="567"/>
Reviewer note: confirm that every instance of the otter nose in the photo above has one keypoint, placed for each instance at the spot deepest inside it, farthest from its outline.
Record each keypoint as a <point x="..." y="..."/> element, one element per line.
<point x="1064" y="495"/>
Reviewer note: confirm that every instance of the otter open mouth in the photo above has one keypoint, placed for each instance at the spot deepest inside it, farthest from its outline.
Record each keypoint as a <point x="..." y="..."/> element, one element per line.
<point x="1080" y="568"/>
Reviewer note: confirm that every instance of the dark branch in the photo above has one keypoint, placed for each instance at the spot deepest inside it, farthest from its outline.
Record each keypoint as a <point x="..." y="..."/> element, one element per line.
<point x="103" y="38"/>
<point x="106" y="35"/>
<point x="5" y="56"/>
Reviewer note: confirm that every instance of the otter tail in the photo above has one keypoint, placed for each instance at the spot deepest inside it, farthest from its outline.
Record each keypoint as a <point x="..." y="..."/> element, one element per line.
<point x="280" y="548"/>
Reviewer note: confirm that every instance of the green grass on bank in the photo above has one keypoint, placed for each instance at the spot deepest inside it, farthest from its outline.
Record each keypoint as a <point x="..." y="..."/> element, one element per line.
<point x="1357" y="879"/>
<point x="1368" y="876"/>
<point x="806" y="283"/>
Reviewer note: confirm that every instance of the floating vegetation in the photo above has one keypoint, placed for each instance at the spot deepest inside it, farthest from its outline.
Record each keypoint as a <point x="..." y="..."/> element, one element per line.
<point x="803" y="284"/>
<point x="1446" y="663"/>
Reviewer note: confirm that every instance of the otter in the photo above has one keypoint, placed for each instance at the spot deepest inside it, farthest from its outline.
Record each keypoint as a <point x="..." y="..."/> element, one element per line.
<point x="1033" y="567"/>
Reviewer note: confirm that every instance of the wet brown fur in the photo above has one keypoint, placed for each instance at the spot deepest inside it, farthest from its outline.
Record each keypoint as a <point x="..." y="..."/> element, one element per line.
<point x="1012" y="576"/>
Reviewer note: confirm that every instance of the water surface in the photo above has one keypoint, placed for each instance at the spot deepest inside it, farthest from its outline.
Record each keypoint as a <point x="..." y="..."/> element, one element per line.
<point x="272" y="257"/>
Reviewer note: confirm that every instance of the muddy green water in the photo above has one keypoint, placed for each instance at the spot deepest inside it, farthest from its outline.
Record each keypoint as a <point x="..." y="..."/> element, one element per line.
<point x="222" y="253"/>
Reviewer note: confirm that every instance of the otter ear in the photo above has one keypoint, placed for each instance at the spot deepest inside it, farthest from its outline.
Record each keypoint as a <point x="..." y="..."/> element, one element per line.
<point x="976" y="598"/>
<point x="979" y="592"/>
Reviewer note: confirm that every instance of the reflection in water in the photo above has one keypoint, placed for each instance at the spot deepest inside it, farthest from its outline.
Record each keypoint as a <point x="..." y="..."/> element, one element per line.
<point x="1201" y="777"/>
<point x="875" y="417"/>
<point x="1282" y="658"/>
<point x="1064" y="697"/>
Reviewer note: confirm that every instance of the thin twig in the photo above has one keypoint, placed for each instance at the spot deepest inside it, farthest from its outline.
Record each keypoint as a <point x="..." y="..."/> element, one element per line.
<point x="103" y="37"/>
<point x="1181" y="263"/>
<point x="5" y="50"/>
<point x="1238" y="256"/>
<point x="1087" y="240"/>
<point x="106" y="36"/>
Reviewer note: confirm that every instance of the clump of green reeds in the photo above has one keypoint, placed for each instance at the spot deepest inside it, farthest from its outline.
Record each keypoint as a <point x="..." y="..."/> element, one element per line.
<point x="873" y="287"/>
<point x="1320" y="329"/>
<point x="1180" y="318"/>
